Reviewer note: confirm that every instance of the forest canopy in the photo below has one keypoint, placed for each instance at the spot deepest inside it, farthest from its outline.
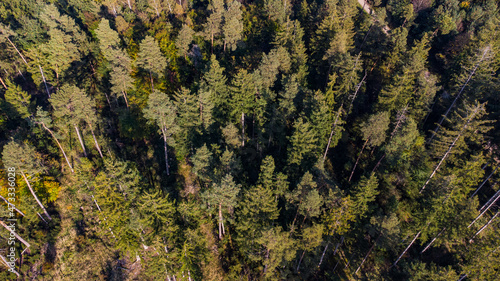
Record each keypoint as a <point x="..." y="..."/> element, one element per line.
<point x="249" y="140"/>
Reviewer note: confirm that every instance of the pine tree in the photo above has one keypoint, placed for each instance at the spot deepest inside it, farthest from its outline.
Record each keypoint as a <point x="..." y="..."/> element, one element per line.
<point x="213" y="28"/>
<point x="151" y="59"/>
<point x="202" y="161"/>
<point x="373" y="133"/>
<point x="161" y="111"/>
<point x="23" y="157"/>
<point x="223" y="195"/>
<point x="19" y="100"/>
<point x="233" y="25"/>
<point x="43" y="119"/>
<point x="184" y="40"/>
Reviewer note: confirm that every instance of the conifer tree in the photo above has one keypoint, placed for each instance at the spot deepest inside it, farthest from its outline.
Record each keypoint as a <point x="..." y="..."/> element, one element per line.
<point x="213" y="27"/>
<point x="69" y="107"/>
<point x="233" y="25"/>
<point x="303" y="143"/>
<point x="373" y="133"/>
<point x="23" y="157"/>
<point x="184" y="40"/>
<point x="43" y="119"/>
<point x="223" y="195"/>
<point x="217" y="88"/>
<point x="151" y="59"/>
<point x="161" y="111"/>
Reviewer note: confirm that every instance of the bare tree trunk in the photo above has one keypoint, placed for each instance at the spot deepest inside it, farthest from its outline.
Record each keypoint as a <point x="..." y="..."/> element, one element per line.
<point x="220" y="221"/>
<point x="7" y="265"/>
<point x="482" y="213"/>
<point x="413" y="241"/>
<point x="95" y="139"/>
<point x="369" y="251"/>
<point x="34" y="195"/>
<point x="3" y="83"/>
<point x="151" y="76"/>
<point x="15" y="234"/>
<point x="125" y="97"/>
<point x="458" y="95"/>
<point x="44" y="82"/>
<point x="484" y="227"/>
<point x="12" y="205"/>
<point x="356" y="92"/>
<point x="59" y="144"/>
<point x="100" y="211"/>
<point x="494" y="197"/>
<point x="475" y="192"/>
<point x="432" y="241"/>
<point x="81" y="140"/>
<point x="300" y="261"/>
<point x="21" y="55"/>
<point x="164" y="130"/>
<point x="357" y="160"/>
<point x="449" y="150"/>
<point x="332" y="132"/>
<point x="323" y="254"/>
<point x="242" y="129"/>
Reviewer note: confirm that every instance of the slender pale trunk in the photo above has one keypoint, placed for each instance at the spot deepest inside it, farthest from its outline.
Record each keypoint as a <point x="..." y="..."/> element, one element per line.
<point x="21" y="55"/>
<point x="482" y="213"/>
<point x="80" y="139"/>
<point x="356" y="92"/>
<point x="44" y="81"/>
<point x="59" y="144"/>
<point x="8" y="266"/>
<point x="432" y="241"/>
<point x="357" y="160"/>
<point x="3" y="83"/>
<point x="323" y="254"/>
<point x="34" y="195"/>
<point x="458" y="95"/>
<point x="494" y="197"/>
<point x="242" y="129"/>
<point x="300" y="261"/>
<point x="449" y="150"/>
<point x="332" y="132"/>
<point x="224" y="50"/>
<point x="129" y="4"/>
<point x="475" y="192"/>
<point x="151" y="77"/>
<point x="125" y="97"/>
<point x="95" y="139"/>
<point x="15" y="234"/>
<point x="367" y="254"/>
<point x="164" y="130"/>
<point x="221" y="226"/>
<point x="11" y="205"/>
<point x="484" y="227"/>
<point x="100" y="211"/>
<point x="404" y="252"/>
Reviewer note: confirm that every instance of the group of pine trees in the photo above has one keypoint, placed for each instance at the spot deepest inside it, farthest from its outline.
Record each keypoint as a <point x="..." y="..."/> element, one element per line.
<point x="252" y="140"/>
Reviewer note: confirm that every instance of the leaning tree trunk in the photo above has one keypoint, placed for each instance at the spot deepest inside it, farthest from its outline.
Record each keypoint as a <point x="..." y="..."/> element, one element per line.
<point x="59" y="144"/>
<point x="7" y="265"/>
<point x="5" y="86"/>
<point x="458" y="95"/>
<point x="34" y="195"/>
<point x="332" y="132"/>
<point x="448" y="151"/>
<point x="44" y="81"/>
<point x="125" y="97"/>
<point x="15" y="234"/>
<point x="404" y="252"/>
<point x="357" y="160"/>
<point x="80" y="139"/>
<point x="95" y="139"/>
<point x="21" y="55"/>
<point x="432" y="241"/>
<point x="484" y="227"/>
<point x="11" y="205"/>
<point x="476" y="191"/>
<point x="483" y="212"/>
<point x="369" y="251"/>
